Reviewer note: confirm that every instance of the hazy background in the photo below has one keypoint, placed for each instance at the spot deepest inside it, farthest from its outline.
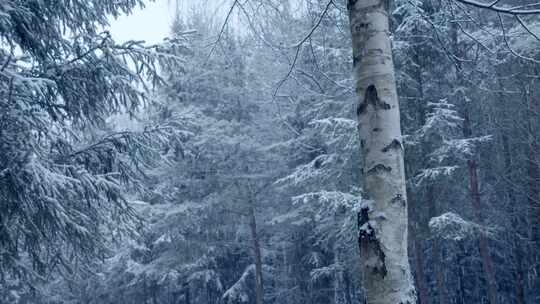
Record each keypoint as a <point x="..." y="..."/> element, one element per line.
<point x="152" y="23"/>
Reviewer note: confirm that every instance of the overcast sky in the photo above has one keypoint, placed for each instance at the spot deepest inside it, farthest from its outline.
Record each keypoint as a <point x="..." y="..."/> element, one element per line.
<point x="150" y="24"/>
<point x="153" y="22"/>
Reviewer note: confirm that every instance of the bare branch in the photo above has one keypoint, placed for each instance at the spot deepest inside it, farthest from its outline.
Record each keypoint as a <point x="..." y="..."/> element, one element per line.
<point x="315" y="26"/>
<point x="300" y="43"/>
<point x="507" y="43"/>
<point x="518" y="10"/>
<point x="526" y="27"/>
<point x="222" y="29"/>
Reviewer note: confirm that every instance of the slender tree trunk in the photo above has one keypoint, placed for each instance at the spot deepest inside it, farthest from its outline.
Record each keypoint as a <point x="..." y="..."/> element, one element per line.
<point x="461" y="274"/>
<point x="485" y="256"/>
<point x="487" y="263"/>
<point x="515" y="219"/>
<point x="259" y="287"/>
<point x="442" y="292"/>
<point x="532" y="169"/>
<point x="420" y="278"/>
<point x="347" y="281"/>
<point x="383" y="225"/>
<point x="417" y="252"/>
<point x="520" y="277"/>
<point x="339" y="284"/>
<point x="284" y="276"/>
<point x="416" y="220"/>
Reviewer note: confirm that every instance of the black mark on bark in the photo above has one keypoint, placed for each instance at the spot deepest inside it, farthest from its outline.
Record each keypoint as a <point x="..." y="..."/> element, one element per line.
<point x="317" y="163"/>
<point x="372" y="98"/>
<point x="394" y="145"/>
<point x="363" y="217"/>
<point x="369" y="245"/>
<point x="361" y="108"/>
<point x="356" y="60"/>
<point x="398" y="199"/>
<point x="361" y="27"/>
<point x="379" y="168"/>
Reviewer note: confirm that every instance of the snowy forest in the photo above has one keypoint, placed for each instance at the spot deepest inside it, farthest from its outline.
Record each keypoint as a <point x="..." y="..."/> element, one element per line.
<point x="271" y="151"/>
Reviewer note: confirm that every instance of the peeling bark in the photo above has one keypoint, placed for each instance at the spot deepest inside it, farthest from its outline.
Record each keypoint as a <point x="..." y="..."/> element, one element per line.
<point x="383" y="239"/>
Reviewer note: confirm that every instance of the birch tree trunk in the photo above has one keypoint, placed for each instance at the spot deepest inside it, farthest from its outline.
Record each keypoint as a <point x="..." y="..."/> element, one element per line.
<point x="383" y="226"/>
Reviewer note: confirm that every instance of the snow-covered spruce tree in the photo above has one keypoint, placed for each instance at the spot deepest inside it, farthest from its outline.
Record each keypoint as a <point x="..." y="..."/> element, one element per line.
<point x="417" y="60"/>
<point x="61" y="171"/>
<point x="197" y="244"/>
<point x="316" y="233"/>
<point x="459" y="276"/>
<point x="383" y="225"/>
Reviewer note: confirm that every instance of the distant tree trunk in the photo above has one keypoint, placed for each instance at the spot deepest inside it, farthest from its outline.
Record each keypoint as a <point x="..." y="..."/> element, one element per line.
<point x="340" y="281"/>
<point x="284" y="278"/>
<point x="487" y="263"/>
<point x="259" y="287"/>
<point x="515" y="218"/>
<point x="460" y="256"/>
<point x="532" y="168"/>
<point x="416" y="221"/>
<point x="383" y="226"/>
<point x="442" y="292"/>
<point x="347" y="281"/>
<point x="418" y="254"/>
<point x="532" y="183"/>
<point x="420" y="278"/>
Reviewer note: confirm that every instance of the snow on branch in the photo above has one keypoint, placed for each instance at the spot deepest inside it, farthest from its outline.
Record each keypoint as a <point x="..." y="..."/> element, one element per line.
<point x="326" y="272"/>
<point x="431" y="174"/>
<point x="450" y="226"/>
<point x="461" y="148"/>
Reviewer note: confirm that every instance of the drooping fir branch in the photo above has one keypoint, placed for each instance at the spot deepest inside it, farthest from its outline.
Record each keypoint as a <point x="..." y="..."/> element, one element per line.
<point x="62" y="189"/>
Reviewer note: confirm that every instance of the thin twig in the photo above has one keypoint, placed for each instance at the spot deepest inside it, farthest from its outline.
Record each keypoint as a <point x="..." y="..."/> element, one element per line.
<point x="518" y="10"/>
<point x="222" y="29"/>
<point x="505" y="38"/>
<point x="526" y="27"/>
<point x="299" y="45"/>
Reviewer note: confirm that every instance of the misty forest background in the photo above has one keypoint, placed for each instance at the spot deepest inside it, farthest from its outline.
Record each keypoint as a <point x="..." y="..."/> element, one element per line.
<point x="136" y="173"/>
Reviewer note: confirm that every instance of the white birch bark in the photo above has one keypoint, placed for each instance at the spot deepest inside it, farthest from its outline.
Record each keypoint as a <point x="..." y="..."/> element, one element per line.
<point x="383" y="226"/>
